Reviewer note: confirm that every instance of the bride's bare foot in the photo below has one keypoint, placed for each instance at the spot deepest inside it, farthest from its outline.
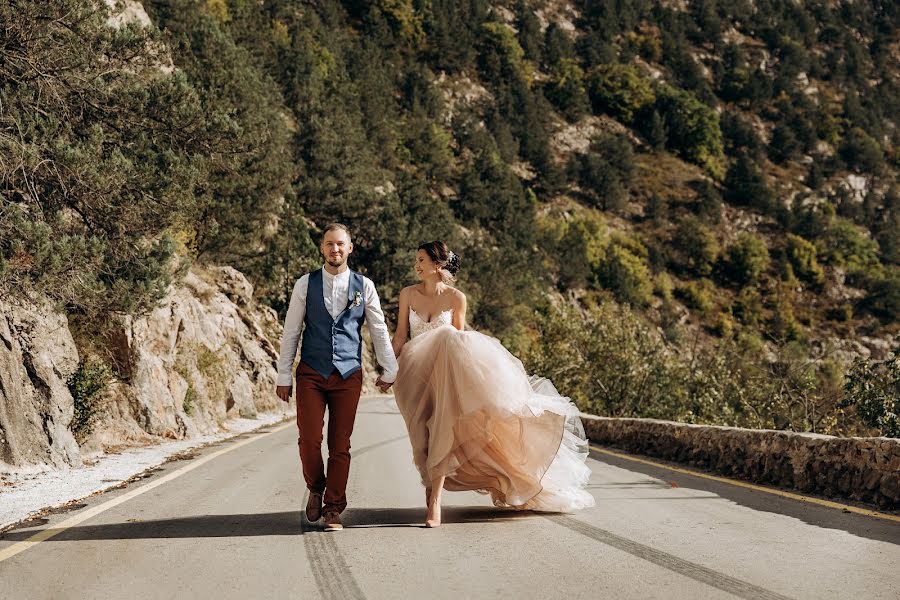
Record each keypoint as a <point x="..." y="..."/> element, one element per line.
<point x="433" y="502"/>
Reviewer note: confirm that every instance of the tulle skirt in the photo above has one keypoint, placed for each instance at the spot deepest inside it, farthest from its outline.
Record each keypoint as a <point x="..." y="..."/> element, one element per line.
<point x="476" y="417"/>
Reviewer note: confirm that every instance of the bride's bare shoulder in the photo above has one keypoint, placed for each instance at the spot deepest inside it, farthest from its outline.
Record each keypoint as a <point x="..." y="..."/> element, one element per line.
<point x="408" y="290"/>
<point x="459" y="297"/>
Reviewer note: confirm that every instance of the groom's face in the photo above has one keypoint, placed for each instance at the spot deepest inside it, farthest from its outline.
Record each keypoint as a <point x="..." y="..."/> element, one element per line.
<point x="336" y="247"/>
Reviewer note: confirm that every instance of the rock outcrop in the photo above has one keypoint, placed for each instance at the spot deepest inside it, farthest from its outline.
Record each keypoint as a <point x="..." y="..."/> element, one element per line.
<point x="37" y="356"/>
<point x="206" y="354"/>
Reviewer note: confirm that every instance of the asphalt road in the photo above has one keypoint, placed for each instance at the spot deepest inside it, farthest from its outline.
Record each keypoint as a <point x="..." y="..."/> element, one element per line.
<point x="228" y="523"/>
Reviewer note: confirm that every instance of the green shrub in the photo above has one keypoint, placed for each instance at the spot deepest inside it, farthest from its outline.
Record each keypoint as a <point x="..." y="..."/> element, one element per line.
<point x="631" y="243"/>
<point x="861" y="152"/>
<point x="803" y="261"/>
<point x="603" y="172"/>
<point x="405" y="20"/>
<point x="841" y="313"/>
<point x="697" y="244"/>
<point x="748" y="306"/>
<point x="190" y="399"/>
<point x="709" y="203"/>
<point x="566" y="89"/>
<point x="746" y="185"/>
<point x="612" y="363"/>
<point x="883" y="296"/>
<point x="815" y="177"/>
<point x="748" y="258"/>
<point x="723" y="325"/>
<point x="846" y="245"/>
<point x="529" y="28"/>
<point x="649" y="46"/>
<point x="86" y="386"/>
<point x="453" y="28"/>
<point x="693" y="129"/>
<point x="502" y="58"/>
<point x="874" y="389"/>
<point x="784" y="145"/>
<point x="108" y="150"/>
<point x="740" y="135"/>
<point x="698" y="295"/>
<point x="656" y="132"/>
<point x="783" y="323"/>
<point x="558" y="45"/>
<point x="607" y="359"/>
<point x="577" y="247"/>
<point x="620" y="90"/>
<point x="209" y="363"/>
<point x="657" y="208"/>
<point x="663" y="286"/>
<point x="427" y="145"/>
<point x="627" y="276"/>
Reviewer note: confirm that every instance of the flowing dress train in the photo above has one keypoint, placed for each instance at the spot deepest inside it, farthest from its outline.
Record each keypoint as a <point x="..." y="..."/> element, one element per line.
<point x="475" y="416"/>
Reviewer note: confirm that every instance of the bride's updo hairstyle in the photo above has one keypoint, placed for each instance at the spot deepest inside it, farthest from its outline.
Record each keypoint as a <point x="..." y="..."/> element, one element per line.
<point x="440" y="254"/>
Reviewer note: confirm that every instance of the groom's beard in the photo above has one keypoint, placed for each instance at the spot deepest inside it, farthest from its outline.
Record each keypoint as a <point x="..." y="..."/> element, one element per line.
<point x="336" y="262"/>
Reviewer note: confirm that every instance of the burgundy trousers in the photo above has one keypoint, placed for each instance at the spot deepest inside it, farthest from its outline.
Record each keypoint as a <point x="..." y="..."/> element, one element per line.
<point x="340" y="397"/>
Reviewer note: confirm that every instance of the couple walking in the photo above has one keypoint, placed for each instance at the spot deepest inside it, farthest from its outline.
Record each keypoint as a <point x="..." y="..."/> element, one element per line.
<point x="476" y="419"/>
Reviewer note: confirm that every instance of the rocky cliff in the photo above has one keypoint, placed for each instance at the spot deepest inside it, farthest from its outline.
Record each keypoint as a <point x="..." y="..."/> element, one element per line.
<point x="206" y="354"/>
<point x="37" y="356"/>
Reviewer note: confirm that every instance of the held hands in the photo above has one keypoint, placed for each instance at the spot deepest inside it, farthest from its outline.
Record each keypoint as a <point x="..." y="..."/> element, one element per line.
<point x="383" y="385"/>
<point x="284" y="392"/>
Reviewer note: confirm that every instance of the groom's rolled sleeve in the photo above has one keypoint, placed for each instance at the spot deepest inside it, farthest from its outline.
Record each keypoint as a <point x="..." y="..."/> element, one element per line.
<point x="293" y="324"/>
<point x="381" y="339"/>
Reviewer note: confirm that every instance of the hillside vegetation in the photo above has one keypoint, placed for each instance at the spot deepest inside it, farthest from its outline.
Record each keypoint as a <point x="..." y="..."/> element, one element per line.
<point x="683" y="210"/>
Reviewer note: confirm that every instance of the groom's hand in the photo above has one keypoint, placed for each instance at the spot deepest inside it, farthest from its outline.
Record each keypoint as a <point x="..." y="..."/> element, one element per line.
<point x="284" y="392"/>
<point x="383" y="385"/>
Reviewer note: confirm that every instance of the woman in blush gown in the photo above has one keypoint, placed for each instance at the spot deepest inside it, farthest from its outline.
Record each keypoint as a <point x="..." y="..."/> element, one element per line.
<point x="476" y="419"/>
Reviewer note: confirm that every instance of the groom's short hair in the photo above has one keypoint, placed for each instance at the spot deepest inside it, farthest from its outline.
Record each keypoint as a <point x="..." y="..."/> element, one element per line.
<point x="333" y="226"/>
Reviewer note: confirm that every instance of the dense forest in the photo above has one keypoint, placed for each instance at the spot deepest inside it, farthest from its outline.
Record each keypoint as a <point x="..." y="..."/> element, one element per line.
<point x="682" y="210"/>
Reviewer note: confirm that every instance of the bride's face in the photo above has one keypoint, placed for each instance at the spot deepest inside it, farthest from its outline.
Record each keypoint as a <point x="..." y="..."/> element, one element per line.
<point x="425" y="267"/>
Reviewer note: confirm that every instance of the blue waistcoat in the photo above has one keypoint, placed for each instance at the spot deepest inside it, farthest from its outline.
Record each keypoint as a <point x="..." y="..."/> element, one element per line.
<point x="329" y="343"/>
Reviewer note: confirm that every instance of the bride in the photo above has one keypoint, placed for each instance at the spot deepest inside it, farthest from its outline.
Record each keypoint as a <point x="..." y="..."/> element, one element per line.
<point x="476" y="420"/>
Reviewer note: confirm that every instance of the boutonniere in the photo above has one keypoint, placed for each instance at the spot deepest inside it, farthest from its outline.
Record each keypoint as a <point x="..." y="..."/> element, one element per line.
<point x="357" y="299"/>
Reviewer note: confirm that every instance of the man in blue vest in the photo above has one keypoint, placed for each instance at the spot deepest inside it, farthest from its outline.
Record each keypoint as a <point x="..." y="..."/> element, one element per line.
<point x="330" y="306"/>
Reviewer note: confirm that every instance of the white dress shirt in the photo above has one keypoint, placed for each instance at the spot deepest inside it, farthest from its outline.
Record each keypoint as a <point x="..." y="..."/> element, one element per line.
<point x="336" y="293"/>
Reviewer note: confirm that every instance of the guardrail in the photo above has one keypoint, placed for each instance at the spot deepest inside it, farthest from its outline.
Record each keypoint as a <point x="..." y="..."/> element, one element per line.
<point x="864" y="469"/>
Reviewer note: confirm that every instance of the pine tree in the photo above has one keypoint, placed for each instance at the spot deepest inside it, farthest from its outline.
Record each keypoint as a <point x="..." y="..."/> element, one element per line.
<point x="746" y="185"/>
<point x="656" y="131"/>
<point x="530" y="36"/>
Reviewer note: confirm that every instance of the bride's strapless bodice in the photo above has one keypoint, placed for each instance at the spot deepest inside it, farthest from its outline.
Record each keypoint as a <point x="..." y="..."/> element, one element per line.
<point x="418" y="326"/>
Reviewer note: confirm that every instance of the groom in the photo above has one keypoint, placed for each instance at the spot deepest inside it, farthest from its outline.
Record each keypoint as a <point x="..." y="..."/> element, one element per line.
<point x="331" y="303"/>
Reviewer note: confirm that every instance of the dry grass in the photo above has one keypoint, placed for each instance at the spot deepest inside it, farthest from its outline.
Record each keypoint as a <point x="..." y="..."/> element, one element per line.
<point x="666" y="176"/>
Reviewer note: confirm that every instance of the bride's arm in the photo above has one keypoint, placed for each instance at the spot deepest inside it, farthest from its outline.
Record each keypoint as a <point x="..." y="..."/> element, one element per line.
<point x="459" y="312"/>
<point x="401" y="333"/>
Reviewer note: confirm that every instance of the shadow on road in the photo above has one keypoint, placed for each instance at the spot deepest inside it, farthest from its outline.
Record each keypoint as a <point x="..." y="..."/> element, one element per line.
<point x="264" y="524"/>
<point x="813" y="514"/>
<point x="276" y="523"/>
<point x="415" y="517"/>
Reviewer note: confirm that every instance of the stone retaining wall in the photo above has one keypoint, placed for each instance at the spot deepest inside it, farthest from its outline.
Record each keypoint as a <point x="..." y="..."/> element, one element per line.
<point x="865" y="469"/>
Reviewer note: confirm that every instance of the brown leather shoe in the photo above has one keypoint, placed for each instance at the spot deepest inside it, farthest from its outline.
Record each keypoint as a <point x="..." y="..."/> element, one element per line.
<point x="314" y="507"/>
<point x="332" y="521"/>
